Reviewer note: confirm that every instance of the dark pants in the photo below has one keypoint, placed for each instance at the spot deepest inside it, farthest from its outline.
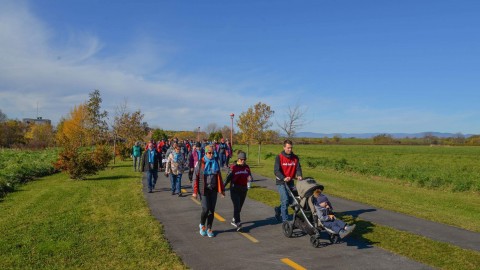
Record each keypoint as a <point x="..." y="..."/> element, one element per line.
<point x="152" y="176"/>
<point x="209" y="201"/>
<point x="238" y="198"/>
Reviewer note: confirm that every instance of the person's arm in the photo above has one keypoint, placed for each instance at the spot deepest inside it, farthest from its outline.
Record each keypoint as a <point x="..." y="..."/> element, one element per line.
<point x="168" y="168"/>
<point x="298" y="172"/>
<point x="229" y="178"/>
<point x="276" y="169"/>
<point x="196" y="179"/>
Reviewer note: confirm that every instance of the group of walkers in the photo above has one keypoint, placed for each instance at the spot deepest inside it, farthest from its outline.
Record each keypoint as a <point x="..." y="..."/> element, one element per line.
<point x="204" y="162"/>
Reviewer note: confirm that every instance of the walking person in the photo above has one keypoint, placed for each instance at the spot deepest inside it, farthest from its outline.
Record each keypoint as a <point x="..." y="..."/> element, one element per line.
<point x="222" y="153"/>
<point x="207" y="183"/>
<point x="286" y="169"/>
<point x="136" y="155"/>
<point x="238" y="177"/>
<point x="151" y="162"/>
<point x="196" y="154"/>
<point x="174" y="168"/>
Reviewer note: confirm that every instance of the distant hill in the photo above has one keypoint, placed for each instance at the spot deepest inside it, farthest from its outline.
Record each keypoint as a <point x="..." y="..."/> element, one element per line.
<point x="370" y="135"/>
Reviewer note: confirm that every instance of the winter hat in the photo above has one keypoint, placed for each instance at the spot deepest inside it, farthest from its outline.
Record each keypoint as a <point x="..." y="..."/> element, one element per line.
<point x="198" y="145"/>
<point x="241" y="155"/>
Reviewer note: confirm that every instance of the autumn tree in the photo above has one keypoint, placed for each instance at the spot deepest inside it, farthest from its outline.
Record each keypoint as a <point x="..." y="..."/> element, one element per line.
<point x="79" y="135"/>
<point x="73" y="129"/>
<point x="127" y="127"/>
<point x="294" y="121"/>
<point x="40" y="135"/>
<point x="12" y="133"/>
<point x="210" y="128"/>
<point x="254" y="123"/>
<point x="159" y="134"/>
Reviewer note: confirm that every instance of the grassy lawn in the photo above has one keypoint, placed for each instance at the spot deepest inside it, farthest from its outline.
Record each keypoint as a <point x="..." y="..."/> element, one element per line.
<point x="437" y="204"/>
<point x="100" y="223"/>
<point x="418" y="248"/>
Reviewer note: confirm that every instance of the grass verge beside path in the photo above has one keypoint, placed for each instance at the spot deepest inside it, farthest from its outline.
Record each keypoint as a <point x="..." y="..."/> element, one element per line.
<point x="101" y="223"/>
<point x="415" y="247"/>
<point x="458" y="209"/>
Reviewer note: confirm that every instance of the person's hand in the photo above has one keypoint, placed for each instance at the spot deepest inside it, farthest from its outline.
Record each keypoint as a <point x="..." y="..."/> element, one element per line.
<point x="287" y="179"/>
<point x="194" y="195"/>
<point x="223" y="194"/>
<point x="299" y="178"/>
<point x="331" y="217"/>
<point x="166" y="174"/>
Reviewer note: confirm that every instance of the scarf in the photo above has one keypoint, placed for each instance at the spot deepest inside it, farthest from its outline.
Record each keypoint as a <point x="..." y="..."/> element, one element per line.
<point x="199" y="153"/>
<point x="175" y="157"/>
<point x="211" y="166"/>
<point x="151" y="156"/>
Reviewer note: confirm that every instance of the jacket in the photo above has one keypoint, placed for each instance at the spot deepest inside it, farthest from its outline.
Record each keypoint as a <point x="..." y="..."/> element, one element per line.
<point x="199" y="179"/>
<point x="286" y="166"/>
<point x="157" y="161"/>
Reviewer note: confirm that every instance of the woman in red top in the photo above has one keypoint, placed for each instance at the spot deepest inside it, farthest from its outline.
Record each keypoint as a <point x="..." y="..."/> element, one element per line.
<point x="239" y="177"/>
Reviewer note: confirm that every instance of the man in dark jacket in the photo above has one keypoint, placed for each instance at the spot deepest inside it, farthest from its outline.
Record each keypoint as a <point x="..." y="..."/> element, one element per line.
<point x="286" y="169"/>
<point x="151" y="162"/>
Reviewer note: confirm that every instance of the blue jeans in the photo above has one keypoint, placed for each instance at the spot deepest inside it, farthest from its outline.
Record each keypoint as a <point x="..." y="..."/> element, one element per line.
<point x="285" y="201"/>
<point x="152" y="176"/>
<point x="176" y="182"/>
<point x="223" y="159"/>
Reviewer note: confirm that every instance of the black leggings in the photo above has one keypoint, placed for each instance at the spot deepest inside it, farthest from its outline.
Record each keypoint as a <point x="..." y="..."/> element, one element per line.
<point x="238" y="198"/>
<point x="209" y="200"/>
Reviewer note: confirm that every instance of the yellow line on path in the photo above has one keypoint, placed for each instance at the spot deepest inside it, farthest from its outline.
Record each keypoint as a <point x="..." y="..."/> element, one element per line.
<point x="195" y="200"/>
<point x="217" y="216"/>
<point x="220" y="218"/>
<point x="184" y="190"/>
<point x="292" y="264"/>
<point x="249" y="237"/>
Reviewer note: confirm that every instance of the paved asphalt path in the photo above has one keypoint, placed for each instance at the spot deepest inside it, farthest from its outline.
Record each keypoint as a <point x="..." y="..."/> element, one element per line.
<point x="262" y="245"/>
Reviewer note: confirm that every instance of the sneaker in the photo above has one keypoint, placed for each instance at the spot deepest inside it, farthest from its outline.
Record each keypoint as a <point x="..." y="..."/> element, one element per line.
<point x="203" y="230"/>
<point x="210" y="233"/>
<point x="234" y="224"/>
<point x="239" y="226"/>
<point x="278" y="216"/>
<point x="350" y="228"/>
<point x="347" y="231"/>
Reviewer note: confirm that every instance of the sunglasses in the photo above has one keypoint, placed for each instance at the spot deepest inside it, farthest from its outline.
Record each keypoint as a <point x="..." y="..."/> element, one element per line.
<point x="209" y="153"/>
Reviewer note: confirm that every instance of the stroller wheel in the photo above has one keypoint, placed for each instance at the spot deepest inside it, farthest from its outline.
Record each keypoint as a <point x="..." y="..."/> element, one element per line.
<point x="314" y="241"/>
<point x="334" y="238"/>
<point x="287" y="229"/>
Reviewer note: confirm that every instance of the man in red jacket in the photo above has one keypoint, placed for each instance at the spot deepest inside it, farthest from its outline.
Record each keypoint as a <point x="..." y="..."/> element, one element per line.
<point x="287" y="168"/>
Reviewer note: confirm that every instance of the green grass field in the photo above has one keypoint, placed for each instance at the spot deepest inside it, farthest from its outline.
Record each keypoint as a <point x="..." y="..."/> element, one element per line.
<point x="100" y="223"/>
<point x="104" y="222"/>
<point x="439" y="204"/>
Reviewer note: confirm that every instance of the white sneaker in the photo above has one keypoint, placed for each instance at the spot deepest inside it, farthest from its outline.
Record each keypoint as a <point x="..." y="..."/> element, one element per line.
<point x="234" y="224"/>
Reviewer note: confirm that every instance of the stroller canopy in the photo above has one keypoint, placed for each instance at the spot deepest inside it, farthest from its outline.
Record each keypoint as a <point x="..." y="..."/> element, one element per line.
<point x="306" y="187"/>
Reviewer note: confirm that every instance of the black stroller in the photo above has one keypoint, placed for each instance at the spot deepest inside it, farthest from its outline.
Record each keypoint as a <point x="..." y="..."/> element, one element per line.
<point x="304" y="214"/>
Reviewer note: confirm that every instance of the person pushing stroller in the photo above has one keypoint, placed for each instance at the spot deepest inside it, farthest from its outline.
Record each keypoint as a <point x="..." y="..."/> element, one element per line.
<point x="326" y="216"/>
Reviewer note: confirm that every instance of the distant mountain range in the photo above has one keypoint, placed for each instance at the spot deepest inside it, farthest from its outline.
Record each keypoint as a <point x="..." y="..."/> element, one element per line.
<point x="370" y="135"/>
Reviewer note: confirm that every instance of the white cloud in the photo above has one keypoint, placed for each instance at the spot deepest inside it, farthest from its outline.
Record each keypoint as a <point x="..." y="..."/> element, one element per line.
<point x="34" y="69"/>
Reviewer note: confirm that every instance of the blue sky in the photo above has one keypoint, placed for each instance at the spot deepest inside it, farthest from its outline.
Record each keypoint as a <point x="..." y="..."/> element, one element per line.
<point x="352" y="66"/>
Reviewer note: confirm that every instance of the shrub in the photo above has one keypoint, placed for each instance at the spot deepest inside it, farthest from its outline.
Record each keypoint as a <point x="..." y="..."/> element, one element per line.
<point x="81" y="162"/>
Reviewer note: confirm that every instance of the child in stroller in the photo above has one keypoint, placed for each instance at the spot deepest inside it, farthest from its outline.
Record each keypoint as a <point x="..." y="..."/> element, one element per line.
<point x="306" y="218"/>
<point x="326" y="217"/>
